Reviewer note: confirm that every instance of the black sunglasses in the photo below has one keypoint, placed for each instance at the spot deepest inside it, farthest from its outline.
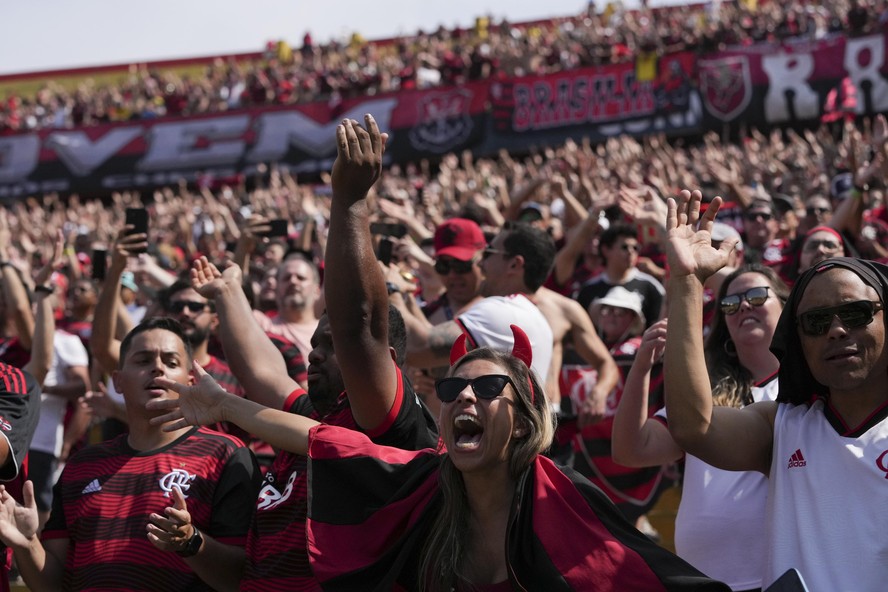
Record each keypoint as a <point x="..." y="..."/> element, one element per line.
<point x="753" y="216"/>
<point x="816" y="211"/>
<point x="851" y="314"/>
<point x="180" y="305"/>
<point x="445" y="266"/>
<point x="488" y="386"/>
<point x="730" y="304"/>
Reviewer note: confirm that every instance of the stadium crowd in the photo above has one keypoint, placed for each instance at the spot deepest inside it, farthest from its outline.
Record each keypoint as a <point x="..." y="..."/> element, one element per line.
<point x="342" y="69"/>
<point x="334" y="406"/>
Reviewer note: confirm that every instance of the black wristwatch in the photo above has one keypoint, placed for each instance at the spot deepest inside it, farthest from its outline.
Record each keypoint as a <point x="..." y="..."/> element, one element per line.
<point x="192" y="546"/>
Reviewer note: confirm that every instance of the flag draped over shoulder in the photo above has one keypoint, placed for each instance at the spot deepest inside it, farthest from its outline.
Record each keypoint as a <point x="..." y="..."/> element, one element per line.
<point x="371" y="507"/>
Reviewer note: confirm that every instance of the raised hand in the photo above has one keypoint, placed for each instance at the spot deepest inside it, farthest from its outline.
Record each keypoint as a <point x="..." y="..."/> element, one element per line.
<point x="126" y="246"/>
<point x="689" y="249"/>
<point x="18" y="523"/>
<point x="208" y="281"/>
<point x="198" y="404"/>
<point x="55" y="263"/>
<point x="359" y="159"/>
<point x="174" y="529"/>
<point x="653" y="344"/>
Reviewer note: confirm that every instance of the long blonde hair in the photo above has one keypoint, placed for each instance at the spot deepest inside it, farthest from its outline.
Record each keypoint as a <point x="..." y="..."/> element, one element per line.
<point x="442" y="561"/>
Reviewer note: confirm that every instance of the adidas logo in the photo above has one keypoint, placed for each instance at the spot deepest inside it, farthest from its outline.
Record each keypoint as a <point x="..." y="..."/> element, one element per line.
<point x="93" y="487"/>
<point x="796" y="460"/>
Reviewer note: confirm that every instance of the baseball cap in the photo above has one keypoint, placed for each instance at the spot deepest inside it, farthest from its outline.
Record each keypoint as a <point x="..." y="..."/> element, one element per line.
<point x="783" y="202"/>
<point x="128" y="280"/>
<point x="459" y="238"/>
<point x="531" y="212"/>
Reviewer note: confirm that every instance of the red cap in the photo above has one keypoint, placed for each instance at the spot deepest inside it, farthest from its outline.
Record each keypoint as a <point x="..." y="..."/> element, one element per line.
<point x="458" y="238"/>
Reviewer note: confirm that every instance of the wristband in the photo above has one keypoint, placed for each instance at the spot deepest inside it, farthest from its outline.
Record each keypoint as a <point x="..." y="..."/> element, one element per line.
<point x="392" y="288"/>
<point x="192" y="546"/>
<point x="42" y="289"/>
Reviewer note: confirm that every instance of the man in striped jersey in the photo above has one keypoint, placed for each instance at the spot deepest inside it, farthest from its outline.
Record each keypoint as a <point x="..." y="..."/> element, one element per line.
<point x="111" y="493"/>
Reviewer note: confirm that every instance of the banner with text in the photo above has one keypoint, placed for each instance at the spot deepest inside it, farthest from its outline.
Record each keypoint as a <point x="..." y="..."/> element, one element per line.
<point x="598" y="102"/>
<point x="301" y="138"/>
<point x="768" y="84"/>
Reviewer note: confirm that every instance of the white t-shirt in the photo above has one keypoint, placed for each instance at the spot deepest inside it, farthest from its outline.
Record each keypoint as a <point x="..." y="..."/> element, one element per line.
<point x="68" y="351"/>
<point x="720" y="526"/>
<point x="828" y="500"/>
<point x="488" y="325"/>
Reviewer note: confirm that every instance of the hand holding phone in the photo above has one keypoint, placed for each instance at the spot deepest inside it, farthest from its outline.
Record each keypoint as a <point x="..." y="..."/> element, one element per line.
<point x="138" y="219"/>
<point x="279" y="227"/>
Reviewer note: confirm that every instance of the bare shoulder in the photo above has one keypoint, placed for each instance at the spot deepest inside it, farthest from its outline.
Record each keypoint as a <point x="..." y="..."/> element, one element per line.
<point x="766" y="410"/>
<point x="557" y="310"/>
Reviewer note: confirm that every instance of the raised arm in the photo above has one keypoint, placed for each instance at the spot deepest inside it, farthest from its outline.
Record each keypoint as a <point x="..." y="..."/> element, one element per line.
<point x="728" y="438"/>
<point x="206" y="403"/>
<point x="357" y="301"/>
<point x="253" y="358"/>
<point x="637" y="440"/>
<point x="44" y="319"/>
<point x="105" y="348"/>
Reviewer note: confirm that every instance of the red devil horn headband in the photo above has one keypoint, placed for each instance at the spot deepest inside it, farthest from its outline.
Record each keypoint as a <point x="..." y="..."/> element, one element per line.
<point x="520" y="350"/>
<point x="458" y="349"/>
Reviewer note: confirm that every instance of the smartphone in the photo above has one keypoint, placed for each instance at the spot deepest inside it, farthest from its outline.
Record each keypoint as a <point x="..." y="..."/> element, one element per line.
<point x="138" y="218"/>
<point x="389" y="229"/>
<point x="384" y="251"/>
<point x="99" y="261"/>
<point x="279" y="227"/>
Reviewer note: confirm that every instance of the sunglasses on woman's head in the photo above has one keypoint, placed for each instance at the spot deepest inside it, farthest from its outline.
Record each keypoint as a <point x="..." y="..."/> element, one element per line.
<point x="851" y="314"/>
<point x="488" y="386"/>
<point x="445" y="266"/>
<point x="730" y="304"/>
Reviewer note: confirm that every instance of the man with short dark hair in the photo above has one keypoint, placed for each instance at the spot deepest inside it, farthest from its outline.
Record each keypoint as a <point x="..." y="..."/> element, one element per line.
<point x="619" y="247"/>
<point x="515" y="266"/>
<point x="111" y="493"/>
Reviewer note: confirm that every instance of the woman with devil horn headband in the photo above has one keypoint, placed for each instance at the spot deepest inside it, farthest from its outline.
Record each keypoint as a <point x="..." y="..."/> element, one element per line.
<point x="485" y="511"/>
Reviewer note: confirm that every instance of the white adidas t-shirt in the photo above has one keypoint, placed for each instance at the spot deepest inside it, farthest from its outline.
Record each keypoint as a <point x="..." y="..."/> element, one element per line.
<point x="828" y="502"/>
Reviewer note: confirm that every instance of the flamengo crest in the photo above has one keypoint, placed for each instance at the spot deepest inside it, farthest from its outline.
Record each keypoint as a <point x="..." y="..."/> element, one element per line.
<point x="178" y="479"/>
<point x="726" y="86"/>
<point x="443" y="121"/>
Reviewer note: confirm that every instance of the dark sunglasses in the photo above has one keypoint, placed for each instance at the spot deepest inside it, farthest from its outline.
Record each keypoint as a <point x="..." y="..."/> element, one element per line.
<point x="730" y="304"/>
<point x="445" y="266"/>
<point x="753" y="216"/>
<point x="180" y="305"/>
<point x="851" y="314"/>
<point x="488" y="386"/>
<point x="816" y="211"/>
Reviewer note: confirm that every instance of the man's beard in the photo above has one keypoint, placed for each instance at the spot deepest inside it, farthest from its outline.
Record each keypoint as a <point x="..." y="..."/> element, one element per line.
<point x="196" y="336"/>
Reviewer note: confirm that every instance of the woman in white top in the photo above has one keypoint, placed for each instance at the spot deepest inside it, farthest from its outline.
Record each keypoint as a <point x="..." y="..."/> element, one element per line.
<point x="720" y="525"/>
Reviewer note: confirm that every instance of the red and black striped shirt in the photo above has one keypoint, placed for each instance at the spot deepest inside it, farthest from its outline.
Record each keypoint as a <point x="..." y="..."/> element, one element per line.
<point x="106" y="493"/>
